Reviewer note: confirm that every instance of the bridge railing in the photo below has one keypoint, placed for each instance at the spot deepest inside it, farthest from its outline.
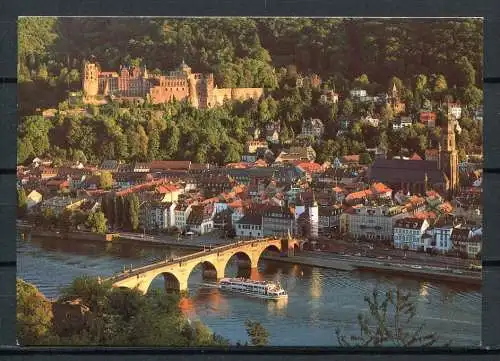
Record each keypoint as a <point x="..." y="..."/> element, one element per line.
<point x="139" y="270"/>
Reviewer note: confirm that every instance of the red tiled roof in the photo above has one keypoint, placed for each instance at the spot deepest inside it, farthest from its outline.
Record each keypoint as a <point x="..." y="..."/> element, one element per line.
<point x="351" y="158"/>
<point x="260" y="163"/>
<point x="380" y="188"/>
<point x="167" y="188"/>
<point x="309" y="167"/>
<point x="445" y="207"/>
<point x="57" y="182"/>
<point x="427" y="116"/>
<point x="359" y="195"/>
<point x="240" y="165"/>
<point x="415" y="156"/>
<point x="170" y="164"/>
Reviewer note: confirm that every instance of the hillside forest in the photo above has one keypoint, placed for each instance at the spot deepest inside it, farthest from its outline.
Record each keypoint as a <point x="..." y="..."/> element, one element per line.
<point x="431" y="62"/>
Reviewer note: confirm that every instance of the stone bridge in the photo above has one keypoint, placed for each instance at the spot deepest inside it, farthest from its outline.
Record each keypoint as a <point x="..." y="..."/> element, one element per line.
<point x="176" y="271"/>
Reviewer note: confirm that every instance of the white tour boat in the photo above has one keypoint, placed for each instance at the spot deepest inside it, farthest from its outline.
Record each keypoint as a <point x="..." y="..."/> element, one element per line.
<point x="262" y="289"/>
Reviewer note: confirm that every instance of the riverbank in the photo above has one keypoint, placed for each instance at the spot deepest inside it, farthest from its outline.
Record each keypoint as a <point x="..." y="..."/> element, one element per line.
<point x="314" y="262"/>
<point x="342" y="265"/>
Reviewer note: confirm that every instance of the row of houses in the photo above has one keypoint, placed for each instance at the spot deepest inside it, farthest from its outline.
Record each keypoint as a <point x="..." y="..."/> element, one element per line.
<point x="416" y="234"/>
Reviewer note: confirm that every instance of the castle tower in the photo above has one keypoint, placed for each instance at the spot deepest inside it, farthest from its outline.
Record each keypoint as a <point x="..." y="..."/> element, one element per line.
<point x="90" y="82"/>
<point x="185" y="68"/>
<point x="209" y="90"/>
<point x="314" y="218"/>
<point x="449" y="156"/>
<point x="193" y="95"/>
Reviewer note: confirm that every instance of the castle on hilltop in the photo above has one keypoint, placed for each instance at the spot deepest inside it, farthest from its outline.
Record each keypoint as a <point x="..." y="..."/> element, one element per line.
<point x="181" y="84"/>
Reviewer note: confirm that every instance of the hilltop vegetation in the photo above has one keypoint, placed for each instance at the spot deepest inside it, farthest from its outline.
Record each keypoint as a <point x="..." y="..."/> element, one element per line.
<point x="115" y="317"/>
<point x="430" y="61"/>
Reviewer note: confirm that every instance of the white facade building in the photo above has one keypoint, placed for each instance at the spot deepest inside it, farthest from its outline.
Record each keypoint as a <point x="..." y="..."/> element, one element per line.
<point x="442" y="237"/>
<point x="455" y="110"/>
<point x="358" y="93"/>
<point x="408" y="233"/>
<point x="249" y="226"/>
<point x="181" y="214"/>
<point x="314" y="219"/>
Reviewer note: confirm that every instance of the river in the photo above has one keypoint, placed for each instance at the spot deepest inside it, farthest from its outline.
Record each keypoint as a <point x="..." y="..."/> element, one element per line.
<point x="320" y="300"/>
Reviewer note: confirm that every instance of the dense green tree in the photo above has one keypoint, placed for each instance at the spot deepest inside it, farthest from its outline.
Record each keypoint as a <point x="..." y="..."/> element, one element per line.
<point x="472" y="97"/>
<point x="105" y="180"/>
<point x="365" y="158"/>
<point x="440" y="84"/>
<point x="97" y="222"/>
<point x="466" y="74"/>
<point x="257" y="334"/>
<point x="133" y="211"/>
<point x="33" y="315"/>
<point x="347" y="108"/>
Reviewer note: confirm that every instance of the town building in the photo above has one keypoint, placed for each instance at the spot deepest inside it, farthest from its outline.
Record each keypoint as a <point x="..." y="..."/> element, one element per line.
<point x="328" y="96"/>
<point x="58" y="204"/>
<point x="222" y="219"/>
<point x="372" y="222"/>
<point x="249" y="226"/>
<point x="329" y="219"/>
<point x="278" y="221"/>
<point x="273" y="136"/>
<point x="33" y="199"/>
<point x="181" y="214"/>
<point x="454" y="110"/>
<point x="442" y="237"/>
<point x="409" y="232"/>
<point x="158" y="216"/>
<point x="401" y="122"/>
<point x="252" y="146"/>
<point x="467" y="240"/>
<point x="428" y="119"/>
<point x="200" y="220"/>
<point x="374" y="122"/>
<point x="358" y="93"/>
<point x="312" y="128"/>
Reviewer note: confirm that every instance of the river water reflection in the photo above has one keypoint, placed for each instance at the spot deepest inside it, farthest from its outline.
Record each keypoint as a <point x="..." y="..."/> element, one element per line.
<point x="320" y="300"/>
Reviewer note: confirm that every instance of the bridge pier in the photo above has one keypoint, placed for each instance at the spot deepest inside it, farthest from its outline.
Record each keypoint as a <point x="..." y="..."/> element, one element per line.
<point x="254" y="274"/>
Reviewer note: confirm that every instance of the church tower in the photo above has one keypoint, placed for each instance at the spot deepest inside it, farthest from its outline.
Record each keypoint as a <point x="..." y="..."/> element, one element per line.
<point x="90" y="78"/>
<point x="448" y="155"/>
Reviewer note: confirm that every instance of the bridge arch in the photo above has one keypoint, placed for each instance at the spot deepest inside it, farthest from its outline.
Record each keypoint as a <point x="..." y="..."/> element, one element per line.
<point x="208" y="269"/>
<point x="171" y="281"/>
<point x="243" y="260"/>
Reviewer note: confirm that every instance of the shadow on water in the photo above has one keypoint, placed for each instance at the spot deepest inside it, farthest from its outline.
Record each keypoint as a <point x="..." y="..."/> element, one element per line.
<point x="122" y="249"/>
